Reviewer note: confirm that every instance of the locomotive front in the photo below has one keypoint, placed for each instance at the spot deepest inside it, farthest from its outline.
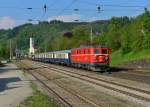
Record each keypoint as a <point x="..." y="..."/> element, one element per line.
<point x="100" y="59"/>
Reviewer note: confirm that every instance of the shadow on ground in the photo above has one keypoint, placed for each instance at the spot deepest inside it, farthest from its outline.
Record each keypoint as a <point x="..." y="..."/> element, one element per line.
<point x="118" y="69"/>
<point x="112" y="70"/>
<point x="5" y="81"/>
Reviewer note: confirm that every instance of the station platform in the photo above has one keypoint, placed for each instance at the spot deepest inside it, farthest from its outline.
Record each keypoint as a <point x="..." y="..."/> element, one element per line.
<point x="14" y="86"/>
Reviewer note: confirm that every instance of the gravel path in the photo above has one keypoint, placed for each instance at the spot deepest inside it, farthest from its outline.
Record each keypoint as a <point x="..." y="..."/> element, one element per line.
<point x="14" y="87"/>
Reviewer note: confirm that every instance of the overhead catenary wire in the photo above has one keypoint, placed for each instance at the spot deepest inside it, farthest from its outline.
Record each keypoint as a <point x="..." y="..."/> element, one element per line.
<point x="87" y="9"/>
<point x="80" y="1"/>
<point x="68" y="6"/>
<point x="95" y="9"/>
<point x="112" y="5"/>
<point x="15" y="7"/>
<point x="65" y="8"/>
<point x="46" y="9"/>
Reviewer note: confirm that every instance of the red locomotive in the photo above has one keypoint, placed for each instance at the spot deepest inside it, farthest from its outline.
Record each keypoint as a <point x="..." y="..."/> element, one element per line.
<point x="95" y="58"/>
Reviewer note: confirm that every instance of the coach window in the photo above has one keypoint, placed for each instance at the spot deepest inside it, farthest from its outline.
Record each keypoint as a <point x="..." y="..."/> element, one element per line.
<point x="104" y="51"/>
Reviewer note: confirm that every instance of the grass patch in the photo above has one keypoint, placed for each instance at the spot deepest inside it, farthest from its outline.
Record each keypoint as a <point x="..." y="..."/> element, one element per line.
<point x="117" y="58"/>
<point x="38" y="99"/>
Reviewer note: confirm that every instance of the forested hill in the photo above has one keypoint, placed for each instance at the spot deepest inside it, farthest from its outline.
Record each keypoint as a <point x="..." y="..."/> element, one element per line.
<point x="45" y="34"/>
<point x="122" y="35"/>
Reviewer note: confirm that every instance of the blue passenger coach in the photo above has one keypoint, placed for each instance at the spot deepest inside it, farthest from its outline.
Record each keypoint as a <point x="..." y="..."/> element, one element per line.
<point x="62" y="57"/>
<point x="59" y="57"/>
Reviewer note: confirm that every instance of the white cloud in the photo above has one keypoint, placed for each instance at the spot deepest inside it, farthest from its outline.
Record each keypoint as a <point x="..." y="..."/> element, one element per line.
<point x="66" y="18"/>
<point x="6" y="22"/>
<point x="92" y="19"/>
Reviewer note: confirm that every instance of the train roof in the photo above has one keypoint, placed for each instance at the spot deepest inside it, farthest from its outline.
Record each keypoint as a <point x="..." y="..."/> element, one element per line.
<point x="92" y="46"/>
<point x="63" y="51"/>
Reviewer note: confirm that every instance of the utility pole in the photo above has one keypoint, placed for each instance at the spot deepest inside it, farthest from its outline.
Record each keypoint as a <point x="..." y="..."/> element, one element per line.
<point x="45" y="48"/>
<point x="10" y="49"/>
<point x="91" y="35"/>
<point x="99" y="10"/>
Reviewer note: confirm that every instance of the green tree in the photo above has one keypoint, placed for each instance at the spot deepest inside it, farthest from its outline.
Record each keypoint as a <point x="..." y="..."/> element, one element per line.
<point x="4" y="50"/>
<point x="147" y="29"/>
<point x="81" y="34"/>
<point x="126" y="40"/>
<point x="113" y="36"/>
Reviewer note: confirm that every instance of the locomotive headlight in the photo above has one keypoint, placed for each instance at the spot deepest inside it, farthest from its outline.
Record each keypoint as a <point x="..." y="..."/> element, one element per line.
<point x="101" y="57"/>
<point x="106" y="58"/>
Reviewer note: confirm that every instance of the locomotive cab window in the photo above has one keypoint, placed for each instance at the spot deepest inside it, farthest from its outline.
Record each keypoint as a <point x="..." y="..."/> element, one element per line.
<point x="96" y="51"/>
<point x="104" y="51"/>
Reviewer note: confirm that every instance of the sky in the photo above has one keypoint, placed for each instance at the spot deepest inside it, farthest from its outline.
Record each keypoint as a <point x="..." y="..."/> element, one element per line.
<point x="15" y="12"/>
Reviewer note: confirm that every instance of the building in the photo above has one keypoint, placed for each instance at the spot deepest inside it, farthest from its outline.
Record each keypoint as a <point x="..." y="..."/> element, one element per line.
<point x="31" y="49"/>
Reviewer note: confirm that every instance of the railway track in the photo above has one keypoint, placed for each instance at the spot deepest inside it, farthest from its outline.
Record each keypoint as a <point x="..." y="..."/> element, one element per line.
<point x="63" y="101"/>
<point x="122" y="73"/>
<point x="84" y="99"/>
<point x="130" y="91"/>
<point x="134" y="71"/>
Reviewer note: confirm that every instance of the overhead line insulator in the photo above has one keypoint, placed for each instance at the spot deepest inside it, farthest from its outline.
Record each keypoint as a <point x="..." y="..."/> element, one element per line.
<point x="29" y="8"/>
<point x="76" y="9"/>
<point x="45" y="8"/>
<point x="99" y="9"/>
